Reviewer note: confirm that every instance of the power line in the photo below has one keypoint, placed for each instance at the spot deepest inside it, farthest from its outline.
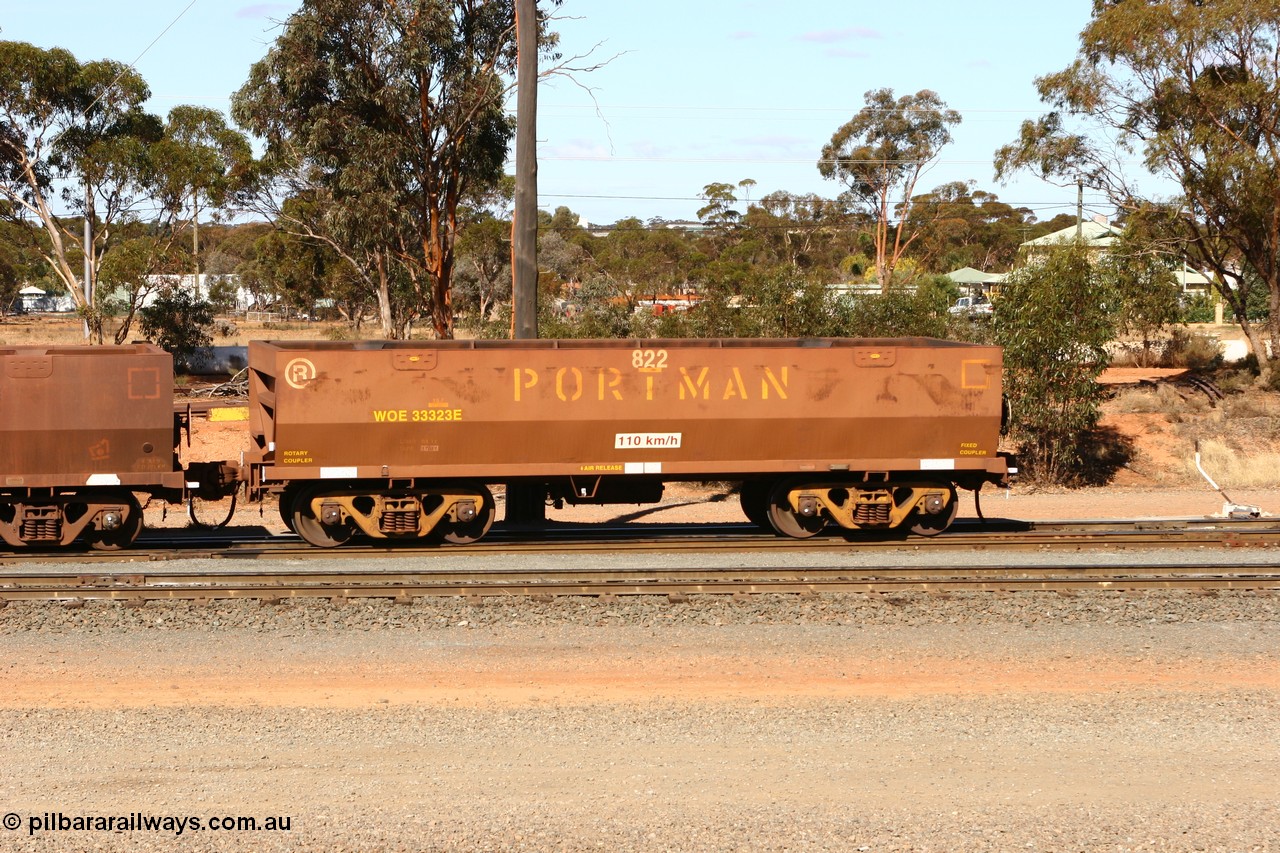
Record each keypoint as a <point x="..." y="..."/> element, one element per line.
<point x="593" y="109"/>
<point x="134" y="64"/>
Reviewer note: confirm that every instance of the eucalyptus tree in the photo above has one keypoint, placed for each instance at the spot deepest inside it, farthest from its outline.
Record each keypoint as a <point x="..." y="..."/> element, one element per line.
<point x="199" y="161"/>
<point x="719" y="212"/>
<point x="19" y="262"/>
<point x="1146" y="289"/>
<point x="880" y="155"/>
<point x="640" y="261"/>
<point x="957" y="226"/>
<point x="282" y="268"/>
<point x="483" y="276"/>
<point x="390" y="113"/>
<point x="197" y="158"/>
<point x="804" y="232"/>
<point x="1192" y="87"/>
<point x="76" y="135"/>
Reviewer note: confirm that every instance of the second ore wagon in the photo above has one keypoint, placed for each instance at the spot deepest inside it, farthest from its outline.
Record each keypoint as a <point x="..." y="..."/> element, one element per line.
<point x="400" y="439"/>
<point x="83" y="431"/>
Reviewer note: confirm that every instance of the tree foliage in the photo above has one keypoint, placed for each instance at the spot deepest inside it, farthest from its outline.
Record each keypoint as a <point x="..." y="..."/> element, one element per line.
<point x="483" y="275"/>
<point x="880" y="155"/>
<point x="389" y="114"/>
<point x="1193" y="87"/>
<point x="62" y="120"/>
<point x="19" y="260"/>
<point x="959" y="226"/>
<point x="1054" y="318"/>
<point x="178" y="322"/>
<point x="284" y="270"/>
<point x="199" y="159"/>
<point x="76" y="134"/>
<point x="1146" y="289"/>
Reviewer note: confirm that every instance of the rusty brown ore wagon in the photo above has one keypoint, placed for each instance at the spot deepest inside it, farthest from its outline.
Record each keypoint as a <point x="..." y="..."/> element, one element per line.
<point x="83" y="431"/>
<point x="399" y="439"/>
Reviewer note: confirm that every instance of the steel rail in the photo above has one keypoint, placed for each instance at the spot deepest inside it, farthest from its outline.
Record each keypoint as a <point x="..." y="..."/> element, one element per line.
<point x="275" y="586"/>
<point x="591" y="539"/>
<point x="299" y="577"/>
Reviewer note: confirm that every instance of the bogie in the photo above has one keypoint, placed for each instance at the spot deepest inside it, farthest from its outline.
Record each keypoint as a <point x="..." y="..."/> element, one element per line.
<point x="328" y="516"/>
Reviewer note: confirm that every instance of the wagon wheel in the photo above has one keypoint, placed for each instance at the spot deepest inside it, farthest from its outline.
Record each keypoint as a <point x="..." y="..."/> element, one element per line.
<point x="464" y="533"/>
<point x="285" y="507"/>
<point x="312" y="529"/>
<point x="931" y="525"/>
<point x="754" y="499"/>
<point x="787" y="522"/>
<point x="124" y="535"/>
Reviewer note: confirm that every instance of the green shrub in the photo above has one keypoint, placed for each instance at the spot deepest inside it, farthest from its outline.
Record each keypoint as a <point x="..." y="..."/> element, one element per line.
<point x="178" y="322"/>
<point x="1052" y="320"/>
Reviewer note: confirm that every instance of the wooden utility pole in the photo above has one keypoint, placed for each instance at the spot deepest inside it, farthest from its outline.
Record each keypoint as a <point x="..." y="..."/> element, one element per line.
<point x="1079" y="211"/>
<point x="88" y="258"/>
<point x="524" y="225"/>
<point x="525" y="502"/>
<point x="195" y="239"/>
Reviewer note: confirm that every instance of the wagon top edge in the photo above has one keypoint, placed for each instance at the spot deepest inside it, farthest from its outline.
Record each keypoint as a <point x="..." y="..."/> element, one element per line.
<point x="612" y="343"/>
<point x="85" y="350"/>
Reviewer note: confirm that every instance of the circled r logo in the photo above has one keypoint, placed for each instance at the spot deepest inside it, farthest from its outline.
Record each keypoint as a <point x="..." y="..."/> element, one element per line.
<point x="299" y="372"/>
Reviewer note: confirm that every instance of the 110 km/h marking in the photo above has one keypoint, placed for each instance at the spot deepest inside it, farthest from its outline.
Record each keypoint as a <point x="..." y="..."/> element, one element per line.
<point x="647" y="440"/>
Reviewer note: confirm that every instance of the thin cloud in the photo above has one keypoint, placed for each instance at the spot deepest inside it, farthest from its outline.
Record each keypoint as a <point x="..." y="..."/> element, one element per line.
<point x="846" y="34"/>
<point x="575" y="149"/>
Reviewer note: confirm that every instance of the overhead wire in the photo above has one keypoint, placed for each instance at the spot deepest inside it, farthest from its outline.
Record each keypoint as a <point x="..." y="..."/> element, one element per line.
<point x="134" y="64"/>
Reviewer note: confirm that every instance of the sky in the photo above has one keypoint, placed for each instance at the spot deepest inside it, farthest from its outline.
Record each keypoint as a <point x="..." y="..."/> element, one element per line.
<point x="687" y="92"/>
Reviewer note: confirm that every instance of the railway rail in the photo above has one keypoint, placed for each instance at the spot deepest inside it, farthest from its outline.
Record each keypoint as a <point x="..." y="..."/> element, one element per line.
<point x="454" y="577"/>
<point x="169" y="545"/>
<point x="275" y="586"/>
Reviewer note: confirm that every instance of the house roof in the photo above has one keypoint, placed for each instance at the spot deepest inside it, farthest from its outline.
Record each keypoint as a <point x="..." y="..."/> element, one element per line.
<point x="968" y="275"/>
<point x="31" y="290"/>
<point x="1188" y="277"/>
<point x="1093" y="232"/>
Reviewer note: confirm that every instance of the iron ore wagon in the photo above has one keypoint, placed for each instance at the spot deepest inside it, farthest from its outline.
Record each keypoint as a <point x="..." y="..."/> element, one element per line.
<point x="83" y="430"/>
<point x="400" y="439"/>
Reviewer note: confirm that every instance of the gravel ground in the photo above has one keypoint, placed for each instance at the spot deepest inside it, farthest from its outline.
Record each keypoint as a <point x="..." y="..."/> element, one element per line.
<point x="1104" y="721"/>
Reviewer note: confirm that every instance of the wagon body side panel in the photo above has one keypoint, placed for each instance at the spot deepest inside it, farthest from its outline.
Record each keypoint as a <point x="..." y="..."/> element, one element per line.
<point x="75" y="416"/>
<point x="673" y="409"/>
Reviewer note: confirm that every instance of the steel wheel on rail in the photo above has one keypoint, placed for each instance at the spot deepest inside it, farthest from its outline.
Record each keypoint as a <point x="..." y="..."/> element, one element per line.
<point x="786" y="521"/>
<point x="754" y="499"/>
<point x="124" y="535"/>
<point x="467" y="532"/>
<point x="931" y="524"/>
<point x="309" y="527"/>
<point x="284" y="505"/>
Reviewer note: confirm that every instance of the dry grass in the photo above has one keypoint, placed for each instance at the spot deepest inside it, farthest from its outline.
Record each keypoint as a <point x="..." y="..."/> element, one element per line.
<point x="1233" y="468"/>
<point x="68" y="331"/>
<point x="1162" y="398"/>
<point x="1179" y="347"/>
<point x="1238" y="441"/>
